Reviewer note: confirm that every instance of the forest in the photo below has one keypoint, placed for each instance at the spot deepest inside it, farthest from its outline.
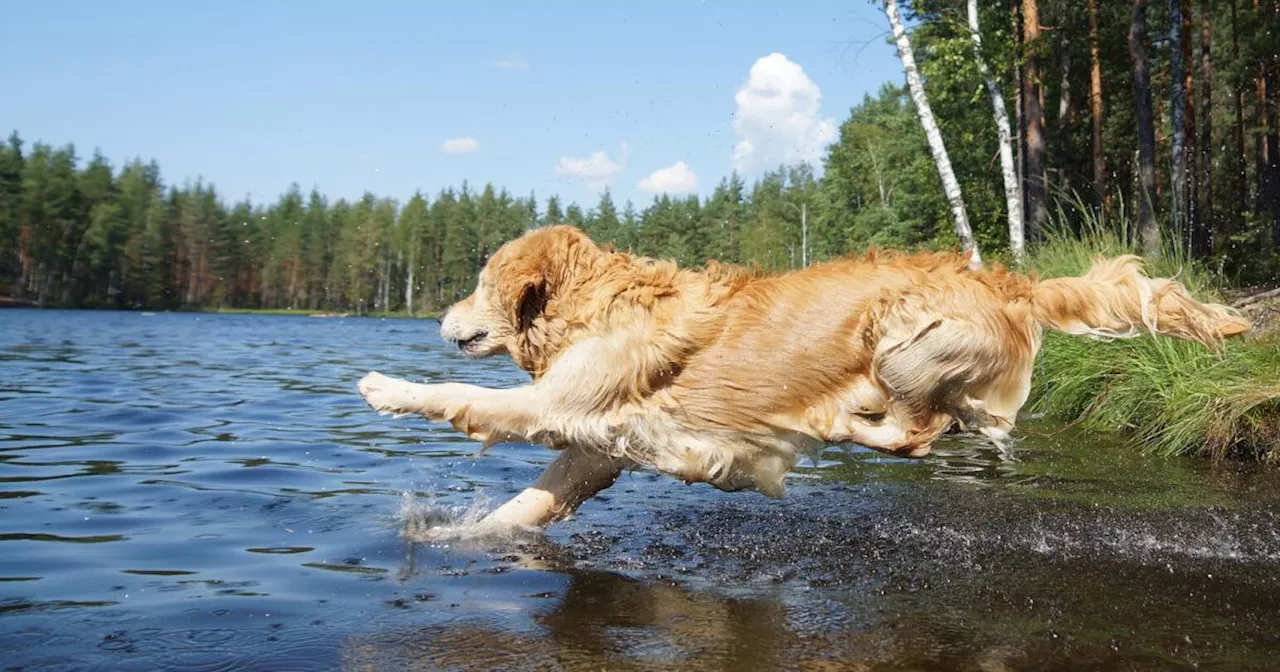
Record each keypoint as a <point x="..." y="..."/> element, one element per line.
<point x="1156" y="121"/>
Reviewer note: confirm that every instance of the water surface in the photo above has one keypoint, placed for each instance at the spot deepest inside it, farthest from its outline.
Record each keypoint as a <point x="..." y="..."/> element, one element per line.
<point x="208" y="492"/>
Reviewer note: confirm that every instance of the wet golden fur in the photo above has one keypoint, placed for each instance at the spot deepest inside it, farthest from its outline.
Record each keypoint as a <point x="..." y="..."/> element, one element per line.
<point x="726" y="376"/>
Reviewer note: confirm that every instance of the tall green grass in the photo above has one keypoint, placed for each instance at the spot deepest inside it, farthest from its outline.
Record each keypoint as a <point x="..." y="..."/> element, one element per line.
<point x="1172" y="397"/>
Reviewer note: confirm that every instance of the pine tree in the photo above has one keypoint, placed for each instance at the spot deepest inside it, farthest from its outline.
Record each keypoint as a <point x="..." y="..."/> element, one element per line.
<point x="603" y="225"/>
<point x="361" y="255"/>
<point x="96" y="184"/>
<point x="11" y="163"/>
<point x="50" y="212"/>
<point x="630" y="226"/>
<point x="1035" y="187"/>
<point x="553" y="215"/>
<point x="341" y="216"/>
<point x="1148" y="231"/>
<point x="531" y="212"/>
<point x="724" y="218"/>
<point x="460" y="245"/>
<point x="318" y="249"/>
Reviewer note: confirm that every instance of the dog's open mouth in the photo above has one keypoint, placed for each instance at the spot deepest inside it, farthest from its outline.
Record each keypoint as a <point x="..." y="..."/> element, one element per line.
<point x="472" y="343"/>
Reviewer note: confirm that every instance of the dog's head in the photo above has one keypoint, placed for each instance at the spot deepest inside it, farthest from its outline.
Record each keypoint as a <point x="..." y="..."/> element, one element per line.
<point x="514" y="289"/>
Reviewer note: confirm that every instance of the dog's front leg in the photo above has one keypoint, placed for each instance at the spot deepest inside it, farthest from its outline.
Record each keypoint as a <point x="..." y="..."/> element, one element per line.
<point x="575" y="476"/>
<point x="484" y="414"/>
<point x="490" y="415"/>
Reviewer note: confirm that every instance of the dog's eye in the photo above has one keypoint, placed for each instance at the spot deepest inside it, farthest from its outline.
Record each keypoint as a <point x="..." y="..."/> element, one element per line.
<point x="869" y="416"/>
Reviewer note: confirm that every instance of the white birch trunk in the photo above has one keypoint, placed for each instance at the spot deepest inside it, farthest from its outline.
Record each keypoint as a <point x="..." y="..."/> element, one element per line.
<point x="384" y="274"/>
<point x="1012" y="192"/>
<point x="804" y="235"/>
<point x="408" y="285"/>
<point x="950" y="186"/>
<point x="875" y="165"/>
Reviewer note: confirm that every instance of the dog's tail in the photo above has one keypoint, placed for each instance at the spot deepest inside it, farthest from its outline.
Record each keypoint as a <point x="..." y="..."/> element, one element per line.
<point x="1116" y="299"/>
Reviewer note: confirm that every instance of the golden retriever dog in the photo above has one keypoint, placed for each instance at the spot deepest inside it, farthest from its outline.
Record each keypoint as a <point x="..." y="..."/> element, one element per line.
<point x="727" y="376"/>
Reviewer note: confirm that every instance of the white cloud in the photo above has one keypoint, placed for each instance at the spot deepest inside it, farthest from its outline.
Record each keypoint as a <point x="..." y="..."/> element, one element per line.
<point x="596" y="170"/>
<point x="777" y="120"/>
<point x="512" y="62"/>
<point x="674" y="179"/>
<point x="460" y="145"/>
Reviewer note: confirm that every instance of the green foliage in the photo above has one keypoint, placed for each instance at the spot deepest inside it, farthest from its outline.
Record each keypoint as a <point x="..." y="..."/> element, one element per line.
<point x="603" y="223"/>
<point x="11" y="164"/>
<point x="125" y="241"/>
<point x="880" y="184"/>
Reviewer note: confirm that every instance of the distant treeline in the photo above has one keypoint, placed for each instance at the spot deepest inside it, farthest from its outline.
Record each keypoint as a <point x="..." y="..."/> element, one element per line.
<point x="1106" y="101"/>
<point x="93" y="237"/>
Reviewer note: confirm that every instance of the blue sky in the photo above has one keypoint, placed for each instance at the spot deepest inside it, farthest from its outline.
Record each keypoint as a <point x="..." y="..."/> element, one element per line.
<point x="552" y="97"/>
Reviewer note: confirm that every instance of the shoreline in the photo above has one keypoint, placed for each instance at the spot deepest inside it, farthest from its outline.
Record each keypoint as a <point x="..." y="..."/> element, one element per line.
<point x="16" y="304"/>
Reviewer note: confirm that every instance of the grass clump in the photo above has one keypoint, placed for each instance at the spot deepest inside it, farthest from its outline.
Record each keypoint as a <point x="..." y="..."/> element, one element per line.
<point x="1172" y="397"/>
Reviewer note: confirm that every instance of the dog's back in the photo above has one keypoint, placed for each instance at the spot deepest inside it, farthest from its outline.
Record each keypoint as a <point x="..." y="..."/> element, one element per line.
<point x="891" y="350"/>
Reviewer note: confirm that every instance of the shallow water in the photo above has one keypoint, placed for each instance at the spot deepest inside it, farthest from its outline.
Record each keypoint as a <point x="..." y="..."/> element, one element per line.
<point x="209" y="492"/>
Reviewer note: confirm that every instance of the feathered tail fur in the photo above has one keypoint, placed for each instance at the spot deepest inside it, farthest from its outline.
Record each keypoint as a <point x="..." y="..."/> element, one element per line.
<point x="1116" y="299"/>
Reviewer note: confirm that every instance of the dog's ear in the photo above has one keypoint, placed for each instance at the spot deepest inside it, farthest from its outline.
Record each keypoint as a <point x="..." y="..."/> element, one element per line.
<point x="530" y="303"/>
<point x="534" y="272"/>
<point x="522" y="287"/>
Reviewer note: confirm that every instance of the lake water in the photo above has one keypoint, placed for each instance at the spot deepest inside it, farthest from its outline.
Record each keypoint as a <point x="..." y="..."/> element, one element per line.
<point x="208" y="492"/>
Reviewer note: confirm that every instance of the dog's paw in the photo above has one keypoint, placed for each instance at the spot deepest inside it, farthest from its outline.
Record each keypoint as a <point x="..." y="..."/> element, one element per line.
<point x="382" y="393"/>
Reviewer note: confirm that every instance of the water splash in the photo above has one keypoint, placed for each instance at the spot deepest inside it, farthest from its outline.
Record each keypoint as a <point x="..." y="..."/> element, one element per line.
<point x="425" y="521"/>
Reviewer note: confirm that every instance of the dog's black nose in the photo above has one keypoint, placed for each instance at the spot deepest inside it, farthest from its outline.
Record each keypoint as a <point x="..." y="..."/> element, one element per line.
<point x="440" y="317"/>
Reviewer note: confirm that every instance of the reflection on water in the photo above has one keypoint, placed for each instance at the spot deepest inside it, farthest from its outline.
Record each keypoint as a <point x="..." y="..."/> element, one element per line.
<point x="208" y="492"/>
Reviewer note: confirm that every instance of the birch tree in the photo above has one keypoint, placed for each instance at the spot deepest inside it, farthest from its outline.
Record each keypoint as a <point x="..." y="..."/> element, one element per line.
<point x="937" y="148"/>
<point x="1012" y="192"/>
